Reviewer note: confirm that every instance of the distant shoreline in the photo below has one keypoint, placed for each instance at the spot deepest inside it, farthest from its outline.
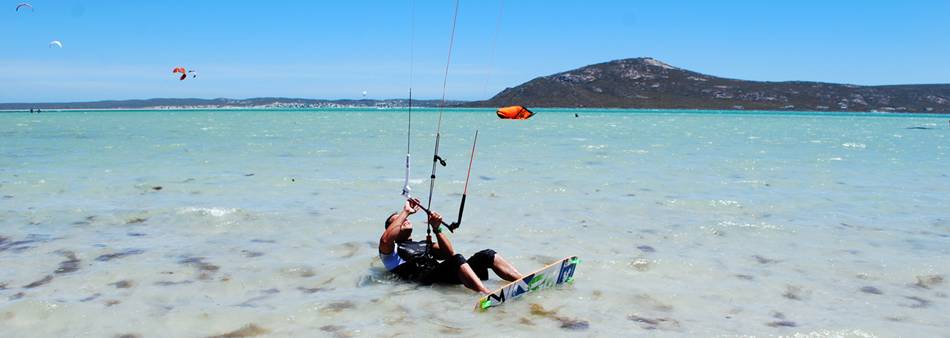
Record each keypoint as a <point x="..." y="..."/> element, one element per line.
<point x="545" y="109"/>
<point x="226" y="103"/>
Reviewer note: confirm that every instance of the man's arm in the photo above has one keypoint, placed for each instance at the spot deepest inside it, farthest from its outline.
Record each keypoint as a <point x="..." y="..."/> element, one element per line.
<point x="388" y="239"/>
<point x="443" y="247"/>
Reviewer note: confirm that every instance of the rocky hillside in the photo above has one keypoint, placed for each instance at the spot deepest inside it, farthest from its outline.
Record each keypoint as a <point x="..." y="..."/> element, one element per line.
<point x="649" y="83"/>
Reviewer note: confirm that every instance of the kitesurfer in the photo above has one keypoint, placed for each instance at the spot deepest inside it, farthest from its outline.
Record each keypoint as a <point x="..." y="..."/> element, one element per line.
<point x="409" y="260"/>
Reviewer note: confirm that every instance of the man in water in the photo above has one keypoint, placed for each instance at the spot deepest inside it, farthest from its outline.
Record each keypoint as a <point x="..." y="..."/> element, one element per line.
<point x="408" y="260"/>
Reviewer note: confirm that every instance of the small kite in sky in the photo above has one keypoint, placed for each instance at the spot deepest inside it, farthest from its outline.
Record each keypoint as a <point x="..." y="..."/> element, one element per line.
<point x="184" y="73"/>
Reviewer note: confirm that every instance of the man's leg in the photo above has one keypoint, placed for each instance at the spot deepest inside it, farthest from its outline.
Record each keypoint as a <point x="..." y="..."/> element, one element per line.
<point x="505" y="270"/>
<point x="470" y="280"/>
<point x="456" y="270"/>
<point x="483" y="260"/>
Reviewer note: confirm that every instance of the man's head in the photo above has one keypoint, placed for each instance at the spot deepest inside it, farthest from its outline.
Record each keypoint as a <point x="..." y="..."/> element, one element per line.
<point x="405" y="229"/>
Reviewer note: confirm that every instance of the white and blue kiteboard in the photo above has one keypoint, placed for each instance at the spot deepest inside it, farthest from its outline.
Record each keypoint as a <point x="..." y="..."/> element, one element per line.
<point x="553" y="274"/>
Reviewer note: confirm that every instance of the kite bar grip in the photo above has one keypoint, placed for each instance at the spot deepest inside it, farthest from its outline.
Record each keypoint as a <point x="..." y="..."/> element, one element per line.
<point x="457" y="224"/>
<point x="429" y="213"/>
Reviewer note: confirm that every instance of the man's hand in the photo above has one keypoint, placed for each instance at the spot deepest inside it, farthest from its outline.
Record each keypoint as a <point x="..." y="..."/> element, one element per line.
<point x="412" y="206"/>
<point x="435" y="220"/>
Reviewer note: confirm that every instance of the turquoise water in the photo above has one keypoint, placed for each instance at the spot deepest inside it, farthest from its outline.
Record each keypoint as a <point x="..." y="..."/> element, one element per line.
<point x="687" y="222"/>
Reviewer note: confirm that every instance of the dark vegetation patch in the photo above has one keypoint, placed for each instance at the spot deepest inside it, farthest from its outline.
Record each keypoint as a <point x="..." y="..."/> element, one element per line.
<point x="446" y="330"/>
<point x="91" y="297"/>
<point x="199" y="263"/>
<point x="88" y="220"/>
<point x="782" y="323"/>
<point x="793" y="292"/>
<point x="574" y="324"/>
<point x="310" y="290"/>
<point x="655" y="304"/>
<point x="44" y="281"/>
<point x="71" y="264"/>
<point x="123" y="284"/>
<point x="338" y="306"/>
<point x="661" y="323"/>
<point x="929" y="281"/>
<point x="764" y="260"/>
<point x="120" y="254"/>
<point x="349" y="249"/>
<point x="918" y="303"/>
<point x="171" y="283"/>
<point x="567" y="323"/>
<point x="265" y="294"/>
<point x="23" y="244"/>
<point x="331" y="328"/>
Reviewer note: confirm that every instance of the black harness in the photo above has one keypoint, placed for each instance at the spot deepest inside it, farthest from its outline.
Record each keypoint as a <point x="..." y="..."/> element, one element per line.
<point x="418" y="263"/>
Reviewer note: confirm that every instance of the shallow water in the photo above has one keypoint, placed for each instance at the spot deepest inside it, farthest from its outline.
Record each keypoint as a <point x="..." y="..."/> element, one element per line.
<point x="264" y="223"/>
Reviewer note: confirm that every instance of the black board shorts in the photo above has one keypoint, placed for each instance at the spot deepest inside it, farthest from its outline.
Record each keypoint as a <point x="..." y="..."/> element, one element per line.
<point x="446" y="272"/>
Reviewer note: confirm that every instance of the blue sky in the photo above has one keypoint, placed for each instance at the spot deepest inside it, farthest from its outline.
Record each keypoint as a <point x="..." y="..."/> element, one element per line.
<point x="338" y="49"/>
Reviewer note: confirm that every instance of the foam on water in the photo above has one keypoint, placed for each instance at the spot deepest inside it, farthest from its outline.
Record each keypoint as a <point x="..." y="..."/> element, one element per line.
<point x="215" y="212"/>
<point x="255" y="223"/>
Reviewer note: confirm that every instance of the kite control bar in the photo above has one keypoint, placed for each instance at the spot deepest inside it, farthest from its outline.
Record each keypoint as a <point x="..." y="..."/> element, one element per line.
<point x="419" y="204"/>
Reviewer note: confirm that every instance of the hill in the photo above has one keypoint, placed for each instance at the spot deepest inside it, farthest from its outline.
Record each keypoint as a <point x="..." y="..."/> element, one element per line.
<point x="650" y="83"/>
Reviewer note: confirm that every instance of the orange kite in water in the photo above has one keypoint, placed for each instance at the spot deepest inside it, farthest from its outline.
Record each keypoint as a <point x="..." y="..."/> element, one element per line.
<point x="514" y="113"/>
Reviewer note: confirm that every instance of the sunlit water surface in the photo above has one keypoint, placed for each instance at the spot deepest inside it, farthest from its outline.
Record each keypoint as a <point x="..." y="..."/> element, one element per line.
<point x="265" y="223"/>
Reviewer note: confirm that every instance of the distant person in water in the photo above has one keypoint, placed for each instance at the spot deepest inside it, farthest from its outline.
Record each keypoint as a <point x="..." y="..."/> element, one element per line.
<point x="31" y="110"/>
<point x="408" y="260"/>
